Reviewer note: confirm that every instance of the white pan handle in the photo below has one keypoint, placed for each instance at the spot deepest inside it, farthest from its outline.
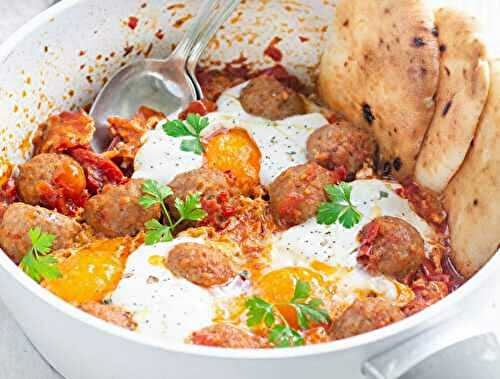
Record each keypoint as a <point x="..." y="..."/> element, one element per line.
<point x="397" y="361"/>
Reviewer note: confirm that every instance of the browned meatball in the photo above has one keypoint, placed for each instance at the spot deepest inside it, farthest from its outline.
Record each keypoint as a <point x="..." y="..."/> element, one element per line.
<point x="210" y="183"/>
<point x="227" y="335"/>
<point x="390" y="246"/>
<point x="207" y="181"/>
<point x="19" y="218"/>
<point x="52" y="169"/>
<point x="298" y="191"/>
<point x="113" y="314"/>
<point x="364" y="316"/>
<point x="341" y="144"/>
<point x="200" y="264"/>
<point x="266" y="97"/>
<point x="116" y="211"/>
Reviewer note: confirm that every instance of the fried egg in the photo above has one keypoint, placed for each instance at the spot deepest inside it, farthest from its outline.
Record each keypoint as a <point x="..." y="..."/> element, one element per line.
<point x="164" y="306"/>
<point x="282" y="143"/>
<point x="336" y="246"/>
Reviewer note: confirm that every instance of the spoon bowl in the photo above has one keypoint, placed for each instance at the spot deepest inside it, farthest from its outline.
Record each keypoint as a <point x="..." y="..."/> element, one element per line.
<point x="166" y="85"/>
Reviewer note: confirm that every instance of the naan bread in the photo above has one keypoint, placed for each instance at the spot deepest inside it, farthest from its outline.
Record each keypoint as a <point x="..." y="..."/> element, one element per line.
<point x="471" y="198"/>
<point x="462" y="92"/>
<point x="381" y="71"/>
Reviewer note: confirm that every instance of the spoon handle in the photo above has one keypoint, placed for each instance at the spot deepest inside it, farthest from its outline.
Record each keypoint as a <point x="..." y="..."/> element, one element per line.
<point x="218" y="17"/>
<point x="183" y="49"/>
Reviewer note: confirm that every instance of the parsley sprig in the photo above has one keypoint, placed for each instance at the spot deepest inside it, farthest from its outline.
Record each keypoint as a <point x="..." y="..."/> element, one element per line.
<point x="281" y="333"/>
<point x="339" y="207"/>
<point x="37" y="263"/>
<point x="192" y="127"/>
<point x="189" y="210"/>
<point x="310" y="310"/>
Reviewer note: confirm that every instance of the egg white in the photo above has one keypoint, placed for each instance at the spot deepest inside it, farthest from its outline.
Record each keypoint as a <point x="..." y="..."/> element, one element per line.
<point x="163" y="305"/>
<point x="166" y="306"/>
<point x="282" y="143"/>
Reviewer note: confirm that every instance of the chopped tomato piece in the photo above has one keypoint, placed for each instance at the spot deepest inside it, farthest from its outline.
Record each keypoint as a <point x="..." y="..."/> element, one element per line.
<point x="99" y="170"/>
<point x="219" y="210"/>
<point x="64" y="131"/>
<point x="425" y="203"/>
<point x="8" y="195"/>
<point x="201" y="107"/>
<point x="127" y="136"/>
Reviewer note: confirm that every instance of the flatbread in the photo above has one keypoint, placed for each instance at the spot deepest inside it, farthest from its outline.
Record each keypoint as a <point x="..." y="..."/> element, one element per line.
<point x="462" y="93"/>
<point x="471" y="198"/>
<point x="381" y="71"/>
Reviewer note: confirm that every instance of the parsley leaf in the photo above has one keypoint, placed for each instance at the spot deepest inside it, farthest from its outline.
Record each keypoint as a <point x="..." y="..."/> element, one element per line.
<point x="157" y="232"/>
<point x="192" y="145"/>
<point x="192" y="127"/>
<point x="36" y="263"/>
<point x="154" y="193"/>
<point x="339" y="207"/>
<point x="285" y="336"/>
<point x="309" y="311"/>
<point x="189" y="210"/>
<point x="258" y="311"/>
<point x="302" y="291"/>
<point x="176" y="128"/>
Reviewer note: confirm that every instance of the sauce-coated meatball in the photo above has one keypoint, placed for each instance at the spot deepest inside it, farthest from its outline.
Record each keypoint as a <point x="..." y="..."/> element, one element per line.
<point x="200" y="264"/>
<point x="52" y="169"/>
<point x="19" y="218"/>
<point x="297" y="192"/>
<point x="266" y="97"/>
<point x="390" y="246"/>
<point x="208" y="182"/>
<point x="116" y="211"/>
<point x="364" y="316"/>
<point x="226" y="335"/>
<point x="341" y="144"/>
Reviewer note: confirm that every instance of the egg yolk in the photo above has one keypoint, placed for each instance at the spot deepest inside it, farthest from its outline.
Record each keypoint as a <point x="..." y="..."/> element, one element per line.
<point x="236" y="152"/>
<point x="278" y="287"/>
<point x="90" y="274"/>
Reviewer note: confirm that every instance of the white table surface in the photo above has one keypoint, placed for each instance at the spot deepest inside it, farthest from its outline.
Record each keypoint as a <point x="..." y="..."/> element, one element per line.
<point x="20" y="360"/>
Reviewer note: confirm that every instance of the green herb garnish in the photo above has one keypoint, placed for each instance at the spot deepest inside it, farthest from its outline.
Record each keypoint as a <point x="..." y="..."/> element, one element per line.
<point x="281" y="333"/>
<point x="192" y="127"/>
<point x="308" y="311"/>
<point x="37" y="263"/>
<point x="339" y="207"/>
<point x="189" y="210"/>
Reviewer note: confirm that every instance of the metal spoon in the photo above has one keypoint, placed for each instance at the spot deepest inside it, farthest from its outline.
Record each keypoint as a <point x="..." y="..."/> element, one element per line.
<point x="161" y="84"/>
